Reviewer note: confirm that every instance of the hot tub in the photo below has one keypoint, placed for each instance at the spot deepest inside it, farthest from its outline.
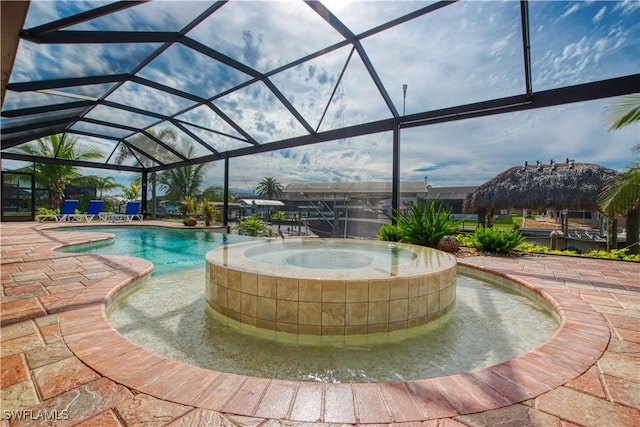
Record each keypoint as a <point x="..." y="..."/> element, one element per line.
<point x="330" y="286"/>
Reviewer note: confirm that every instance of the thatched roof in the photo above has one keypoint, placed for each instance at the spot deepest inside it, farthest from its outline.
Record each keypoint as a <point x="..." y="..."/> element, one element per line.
<point x="573" y="186"/>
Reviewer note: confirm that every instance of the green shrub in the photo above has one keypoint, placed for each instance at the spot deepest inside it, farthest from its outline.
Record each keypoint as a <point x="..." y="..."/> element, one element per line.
<point x="496" y="240"/>
<point x="465" y="239"/>
<point x="620" y="254"/>
<point x="539" y="249"/>
<point x="389" y="233"/>
<point x="47" y="211"/>
<point x="253" y="226"/>
<point x="425" y="225"/>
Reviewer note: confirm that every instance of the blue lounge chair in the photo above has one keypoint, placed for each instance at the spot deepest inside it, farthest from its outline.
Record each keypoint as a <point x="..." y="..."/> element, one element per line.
<point x="67" y="211"/>
<point x="93" y="210"/>
<point x="131" y="212"/>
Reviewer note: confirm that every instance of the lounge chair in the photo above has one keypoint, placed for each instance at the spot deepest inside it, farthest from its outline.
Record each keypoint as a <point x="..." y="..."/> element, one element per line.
<point x="131" y="212"/>
<point x="67" y="211"/>
<point x="93" y="210"/>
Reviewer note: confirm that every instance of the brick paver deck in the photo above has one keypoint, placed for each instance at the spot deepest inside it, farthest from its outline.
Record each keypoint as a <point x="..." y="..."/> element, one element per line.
<point x="60" y="357"/>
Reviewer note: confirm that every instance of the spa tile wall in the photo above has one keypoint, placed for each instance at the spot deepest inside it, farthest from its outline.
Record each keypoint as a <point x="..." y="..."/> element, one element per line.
<point x="329" y="307"/>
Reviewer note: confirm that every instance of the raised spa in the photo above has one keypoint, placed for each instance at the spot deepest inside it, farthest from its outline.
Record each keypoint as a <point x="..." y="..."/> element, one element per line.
<point x="330" y="286"/>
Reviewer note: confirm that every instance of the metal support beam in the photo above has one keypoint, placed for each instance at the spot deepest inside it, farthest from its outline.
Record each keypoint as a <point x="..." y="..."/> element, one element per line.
<point x="145" y="185"/>
<point x="79" y="163"/>
<point x="395" y="180"/>
<point x="225" y="202"/>
<point x="526" y="45"/>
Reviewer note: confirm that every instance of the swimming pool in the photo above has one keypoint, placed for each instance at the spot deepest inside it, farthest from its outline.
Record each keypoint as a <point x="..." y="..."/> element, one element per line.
<point x="168" y="315"/>
<point x="169" y="249"/>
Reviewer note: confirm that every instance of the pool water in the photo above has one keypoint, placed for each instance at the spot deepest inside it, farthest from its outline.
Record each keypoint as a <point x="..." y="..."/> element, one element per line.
<point x="168" y="315"/>
<point x="488" y="325"/>
<point x="335" y="254"/>
<point x="170" y="249"/>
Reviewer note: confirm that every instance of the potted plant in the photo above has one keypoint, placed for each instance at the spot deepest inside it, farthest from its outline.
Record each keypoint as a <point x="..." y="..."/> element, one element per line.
<point x="209" y="212"/>
<point x="189" y="208"/>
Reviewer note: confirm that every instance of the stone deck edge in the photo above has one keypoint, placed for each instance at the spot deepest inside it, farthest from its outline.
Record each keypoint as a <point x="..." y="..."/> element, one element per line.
<point x="578" y="343"/>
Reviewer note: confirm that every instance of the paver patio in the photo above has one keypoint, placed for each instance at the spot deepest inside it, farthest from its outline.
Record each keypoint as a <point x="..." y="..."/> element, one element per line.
<point x="60" y="357"/>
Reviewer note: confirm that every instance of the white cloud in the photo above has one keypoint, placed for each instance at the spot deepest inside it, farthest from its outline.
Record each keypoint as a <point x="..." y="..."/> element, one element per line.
<point x="628" y="6"/>
<point x="466" y="52"/>
<point x="570" y="11"/>
<point x="600" y="15"/>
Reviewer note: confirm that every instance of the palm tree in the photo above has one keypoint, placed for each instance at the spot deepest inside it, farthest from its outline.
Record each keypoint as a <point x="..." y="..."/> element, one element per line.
<point x="55" y="176"/>
<point x="154" y="150"/>
<point x="184" y="182"/>
<point x="269" y="187"/>
<point x="103" y="184"/>
<point x="621" y="195"/>
<point x="624" y="112"/>
<point x="132" y="191"/>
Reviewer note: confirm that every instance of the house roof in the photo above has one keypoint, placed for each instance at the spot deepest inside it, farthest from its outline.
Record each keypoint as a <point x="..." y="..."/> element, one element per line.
<point x="372" y="188"/>
<point x="568" y="185"/>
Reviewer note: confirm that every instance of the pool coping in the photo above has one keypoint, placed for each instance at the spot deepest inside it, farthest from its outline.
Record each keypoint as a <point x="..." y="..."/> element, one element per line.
<point x="579" y="342"/>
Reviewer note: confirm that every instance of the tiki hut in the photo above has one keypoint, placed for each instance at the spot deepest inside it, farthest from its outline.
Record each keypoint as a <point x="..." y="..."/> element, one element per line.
<point x="559" y="186"/>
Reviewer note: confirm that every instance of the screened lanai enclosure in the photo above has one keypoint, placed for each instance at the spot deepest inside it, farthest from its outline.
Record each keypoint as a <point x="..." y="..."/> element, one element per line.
<point x="158" y="85"/>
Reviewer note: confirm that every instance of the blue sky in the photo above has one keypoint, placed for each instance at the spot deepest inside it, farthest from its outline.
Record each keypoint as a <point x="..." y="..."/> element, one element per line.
<point x="463" y="53"/>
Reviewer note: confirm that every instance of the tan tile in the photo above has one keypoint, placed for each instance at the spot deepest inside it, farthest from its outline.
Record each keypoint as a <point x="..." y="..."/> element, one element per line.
<point x="433" y="303"/>
<point x="221" y="276"/>
<point x="399" y="288"/>
<point x="249" y="283"/>
<point x="378" y="290"/>
<point x="309" y="313"/>
<point x="290" y="328"/>
<point x="287" y="289"/>
<point x="422" y="305"/>
<point x="414" y="287"/>
<point x="333" y="330"/>
<point x="356" y="313"/>
<point x="398" y="326"/>
<point x="357" y="291"/>
<point x="222" y="297"/>
<point x="333" y="291"/>
<point x="287" y="311"/>
<point x="398" y="310"/>
<point x="378" y="329"/>
<point x="235" y="315"/>
<point x="433" y="281"/>
<point x="333" y="314"/>
<point x="266" y="286"/>
<point x="234" y="280"/>
<point x="310" y="290"/>
<point x="234" y="301"/>
<point x="378" y="312"/>
<point x="310" y="329"/>
<point x="447" y="296"/>
<point x="356" y="329"/>
<point x="266" y="309"/>
<point x="266" y="324"/>
<point x="413" y="310"/>
<point x="249" y="305"/>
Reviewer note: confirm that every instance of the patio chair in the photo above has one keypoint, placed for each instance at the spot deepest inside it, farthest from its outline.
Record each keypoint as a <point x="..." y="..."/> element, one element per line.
<point x="67" y="211"/>
<point x="93" y="210"/>
<point x="131" y="212"/>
